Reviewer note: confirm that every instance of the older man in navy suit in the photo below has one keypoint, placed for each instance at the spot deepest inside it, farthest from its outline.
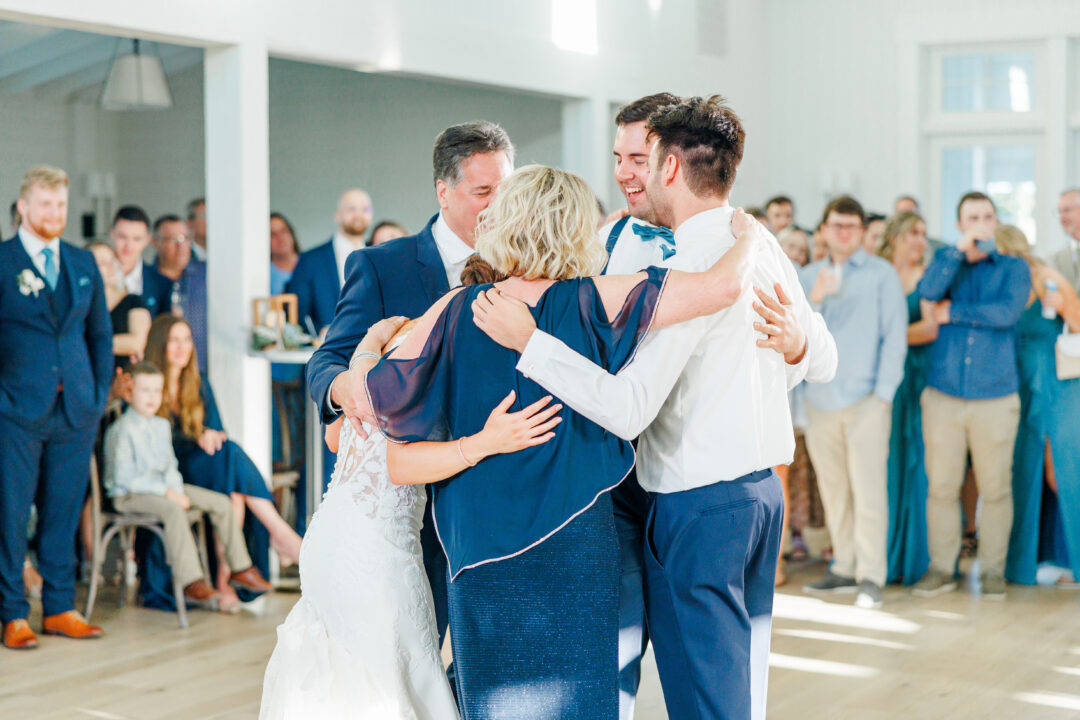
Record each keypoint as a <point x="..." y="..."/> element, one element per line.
<point x="55" y="369"/>
<point x="405" y="277"/>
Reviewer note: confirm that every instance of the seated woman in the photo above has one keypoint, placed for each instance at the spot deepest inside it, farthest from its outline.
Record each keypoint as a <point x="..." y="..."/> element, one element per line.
<point x="1046" y="461"/>
<point x="206" y="456"/>
<point x="130" y="318"/>
<point x="530" y="537"/>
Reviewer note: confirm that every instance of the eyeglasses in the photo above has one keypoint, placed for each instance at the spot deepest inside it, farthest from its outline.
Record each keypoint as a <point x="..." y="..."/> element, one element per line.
<point x="844" y="227"/>
<point x="175" y="240"/>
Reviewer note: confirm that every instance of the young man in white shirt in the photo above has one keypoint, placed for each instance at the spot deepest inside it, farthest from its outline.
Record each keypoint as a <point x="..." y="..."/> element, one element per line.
<point x="710" y="403"/>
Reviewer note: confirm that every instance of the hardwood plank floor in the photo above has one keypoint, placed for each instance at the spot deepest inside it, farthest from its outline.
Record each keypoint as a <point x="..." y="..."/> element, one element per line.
<point x="955" y="656"/>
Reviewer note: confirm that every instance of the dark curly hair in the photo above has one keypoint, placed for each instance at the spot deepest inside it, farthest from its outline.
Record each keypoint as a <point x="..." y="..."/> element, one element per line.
<point x="477" y="271"/>
<point x="707" y="137"/>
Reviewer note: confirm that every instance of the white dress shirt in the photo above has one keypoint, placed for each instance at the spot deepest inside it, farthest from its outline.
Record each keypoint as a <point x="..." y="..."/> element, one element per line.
<point x="708" y="403"/>
<point x="452" y="249"/>
<point x="133" y="280"/>
<point x="631" y="254"/>
<point x="343" y="247"/>
<point x="33" y="245"/>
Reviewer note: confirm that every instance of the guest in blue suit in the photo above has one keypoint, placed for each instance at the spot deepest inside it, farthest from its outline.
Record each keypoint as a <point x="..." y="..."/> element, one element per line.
<point x="405" y="277"/>
<point x="186" y="279"/>
<point x="56" y="365"/>
<point x="130" y="236"/>
<point x="320" y="274"/>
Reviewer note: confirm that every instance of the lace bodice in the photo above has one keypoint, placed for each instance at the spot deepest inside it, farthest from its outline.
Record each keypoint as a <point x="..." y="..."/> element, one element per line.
<point x="361" y="472"/>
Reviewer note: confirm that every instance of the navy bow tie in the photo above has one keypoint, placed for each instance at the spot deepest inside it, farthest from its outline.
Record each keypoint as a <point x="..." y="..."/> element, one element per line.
<point x="667" y="238"/>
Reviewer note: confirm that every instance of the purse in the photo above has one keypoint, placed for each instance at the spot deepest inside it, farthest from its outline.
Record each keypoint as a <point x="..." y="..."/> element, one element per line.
<point x="1067" y="355"/>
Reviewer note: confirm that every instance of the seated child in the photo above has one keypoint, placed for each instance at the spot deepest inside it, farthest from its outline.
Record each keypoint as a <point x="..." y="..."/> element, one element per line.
<point x="142" y="476"/>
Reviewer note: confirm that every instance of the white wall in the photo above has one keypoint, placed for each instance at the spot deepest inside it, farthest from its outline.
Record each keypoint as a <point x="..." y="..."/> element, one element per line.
<point x="78" y="138"/>
<point x="846" y="96"/>
<point x="331" y="129"/>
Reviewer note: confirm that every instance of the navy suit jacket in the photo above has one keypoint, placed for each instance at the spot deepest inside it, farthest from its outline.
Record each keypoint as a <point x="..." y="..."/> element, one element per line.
<point x="315" y="282"/>
<point x="56" y="339"/>
<point x="401" y="277"/>
<point x="156" y="290"/>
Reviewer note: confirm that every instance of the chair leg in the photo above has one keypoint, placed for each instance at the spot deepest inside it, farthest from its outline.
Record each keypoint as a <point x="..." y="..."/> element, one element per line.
<point x="125" y="546"/>
<point x="178" y="590"/>
<point x="204" y="557"/>
<point x="101" y="543"/>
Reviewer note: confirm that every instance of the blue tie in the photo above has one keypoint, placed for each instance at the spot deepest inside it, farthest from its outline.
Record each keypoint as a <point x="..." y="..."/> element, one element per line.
<point x="52" y="274"/>
<point x="667" y="238"/>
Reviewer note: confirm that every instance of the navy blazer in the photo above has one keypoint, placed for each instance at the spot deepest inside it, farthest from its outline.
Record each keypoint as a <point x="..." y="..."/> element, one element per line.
<point x="60" y="338"/>
<point x="316" y="284"/>
<point x="156" y="290"/>
<point x="401" y="277"/>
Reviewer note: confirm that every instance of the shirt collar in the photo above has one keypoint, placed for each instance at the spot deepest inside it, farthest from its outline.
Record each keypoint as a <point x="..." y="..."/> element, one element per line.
<point x="135" y="274"/>
<point x="344" y="244"/>
<point x="34" y="245"/>
<point x="453" y="249"/>
<point x="706" y="223"/>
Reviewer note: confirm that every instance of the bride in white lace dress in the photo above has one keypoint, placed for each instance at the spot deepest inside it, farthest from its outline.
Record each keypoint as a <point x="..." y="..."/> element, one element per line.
<point x="361" y="642"/>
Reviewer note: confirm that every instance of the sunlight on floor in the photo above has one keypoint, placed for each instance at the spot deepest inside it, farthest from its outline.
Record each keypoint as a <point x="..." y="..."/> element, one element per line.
<point x="842" y="638"/>
<point x="1047" y="699"/>
<point x="806" y="609"/>
<point x="821" y="667"/>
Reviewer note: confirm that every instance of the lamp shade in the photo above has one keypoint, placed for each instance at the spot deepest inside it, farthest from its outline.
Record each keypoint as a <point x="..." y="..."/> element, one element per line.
<point x="136" y="82"/>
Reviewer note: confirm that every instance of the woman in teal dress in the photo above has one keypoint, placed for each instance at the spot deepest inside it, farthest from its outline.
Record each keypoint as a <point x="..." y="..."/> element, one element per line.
<point x="1046" y="462"/>
<point x="904" y="245"/>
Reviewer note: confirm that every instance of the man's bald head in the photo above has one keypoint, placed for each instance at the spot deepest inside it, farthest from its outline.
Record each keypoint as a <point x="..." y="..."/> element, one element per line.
<point x="354" y="213"/>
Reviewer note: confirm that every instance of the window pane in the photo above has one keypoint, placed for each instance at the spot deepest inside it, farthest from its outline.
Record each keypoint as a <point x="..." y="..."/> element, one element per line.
<point x="1004" y="172"/>
<point x="987" y="82"/>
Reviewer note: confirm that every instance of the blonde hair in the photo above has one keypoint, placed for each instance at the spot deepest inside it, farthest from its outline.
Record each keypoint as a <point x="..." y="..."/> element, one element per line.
<point x="45" y="176"/>
<point x="542" y="224"/>
<point x="896" y="228"/>
<point x="118" y="270"/>
<point x="1011" y="240"/>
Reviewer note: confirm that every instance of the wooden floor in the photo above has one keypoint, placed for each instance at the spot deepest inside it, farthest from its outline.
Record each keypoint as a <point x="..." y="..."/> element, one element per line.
<point x="954" y="657"/>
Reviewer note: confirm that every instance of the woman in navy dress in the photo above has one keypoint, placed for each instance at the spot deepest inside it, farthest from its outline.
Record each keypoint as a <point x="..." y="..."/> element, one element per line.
<point x="1046" y="462"/>
<point x="530" y="537"/>
<point x="904" y="245"/>
<point x="206" y="456"/>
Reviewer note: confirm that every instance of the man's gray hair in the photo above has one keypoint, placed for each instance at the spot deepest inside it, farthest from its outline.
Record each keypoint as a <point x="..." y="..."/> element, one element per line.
<point x="458" y="143"/>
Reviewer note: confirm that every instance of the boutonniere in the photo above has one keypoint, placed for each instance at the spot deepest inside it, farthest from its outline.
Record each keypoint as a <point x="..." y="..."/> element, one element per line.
<point x="29" y="282"/>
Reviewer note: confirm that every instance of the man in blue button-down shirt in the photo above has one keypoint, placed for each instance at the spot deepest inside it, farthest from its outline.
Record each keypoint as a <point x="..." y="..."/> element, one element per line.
<point x="864" y="306"/>
<point x="971" y="401"/>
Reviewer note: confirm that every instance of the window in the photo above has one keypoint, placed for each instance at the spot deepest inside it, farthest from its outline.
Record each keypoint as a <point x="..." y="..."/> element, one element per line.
<point x="987" y="82"/>
<point x="1004" y="172"/>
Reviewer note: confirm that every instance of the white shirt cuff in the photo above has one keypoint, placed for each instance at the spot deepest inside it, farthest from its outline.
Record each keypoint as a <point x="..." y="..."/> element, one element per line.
<point x="537" y="352"/>
<point x="329" y="394"/>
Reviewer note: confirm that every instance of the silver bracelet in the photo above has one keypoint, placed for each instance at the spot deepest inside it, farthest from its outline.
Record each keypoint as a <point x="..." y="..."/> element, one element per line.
<point x="363" y="355"/>
<point x="461" y="452"/>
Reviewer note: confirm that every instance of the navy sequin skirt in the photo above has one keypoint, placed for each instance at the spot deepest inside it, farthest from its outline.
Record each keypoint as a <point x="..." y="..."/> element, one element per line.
<point x="535" y="637"/>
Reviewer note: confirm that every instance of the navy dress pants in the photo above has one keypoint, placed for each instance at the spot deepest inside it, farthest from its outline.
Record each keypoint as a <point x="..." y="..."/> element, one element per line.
<point x="48" y="466"/>
<point x="710" y="560"/>
<point x="631" y="507"/>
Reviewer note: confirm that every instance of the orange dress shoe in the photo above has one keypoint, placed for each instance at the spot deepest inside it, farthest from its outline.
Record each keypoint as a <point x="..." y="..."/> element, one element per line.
<point x="71" y="624"/>
<point x="19" y="636"/>
<point x="200" y="593"/>
<point x="250" y="579"/>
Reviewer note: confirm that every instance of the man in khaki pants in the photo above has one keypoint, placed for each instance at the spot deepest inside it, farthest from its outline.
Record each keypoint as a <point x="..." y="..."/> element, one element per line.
<point x="971" y="399"/>
<point x="847" y="437"/>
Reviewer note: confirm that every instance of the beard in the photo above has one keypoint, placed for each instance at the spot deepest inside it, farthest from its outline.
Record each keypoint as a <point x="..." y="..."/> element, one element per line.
<point x="45" y="229"/>
<point x="356" y="228"/>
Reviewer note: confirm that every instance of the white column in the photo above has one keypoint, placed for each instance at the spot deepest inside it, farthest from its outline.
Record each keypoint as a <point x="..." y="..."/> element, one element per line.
<point x="1056" y="147"/>
<point x="238" y="232"/>
<point x="588" y="130"/>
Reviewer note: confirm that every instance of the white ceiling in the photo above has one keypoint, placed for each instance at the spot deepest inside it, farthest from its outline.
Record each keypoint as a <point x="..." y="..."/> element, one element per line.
<point x="69" y="65"/>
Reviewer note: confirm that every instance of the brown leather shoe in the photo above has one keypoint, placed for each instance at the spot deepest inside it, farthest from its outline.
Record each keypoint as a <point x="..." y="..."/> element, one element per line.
<point x="19" y="636"/>
<point x="250" y="579"/>
<point x="71" y="624"/>
<point x="200" y="592"/>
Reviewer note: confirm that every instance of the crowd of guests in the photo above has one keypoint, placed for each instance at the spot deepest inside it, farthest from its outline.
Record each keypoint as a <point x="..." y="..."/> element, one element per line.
<point x="105" y="361"/>
<point x="946" y="431"/>
<point x="951" y="384"/>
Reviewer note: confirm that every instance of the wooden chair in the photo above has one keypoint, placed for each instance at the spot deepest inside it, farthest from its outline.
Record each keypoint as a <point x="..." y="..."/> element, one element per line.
<point x="286" y="473"/>
<point x="108" y="524"/>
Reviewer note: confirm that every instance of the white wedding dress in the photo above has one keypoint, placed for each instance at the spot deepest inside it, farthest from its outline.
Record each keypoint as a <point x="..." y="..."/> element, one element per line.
<point x="361" y="642"/>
